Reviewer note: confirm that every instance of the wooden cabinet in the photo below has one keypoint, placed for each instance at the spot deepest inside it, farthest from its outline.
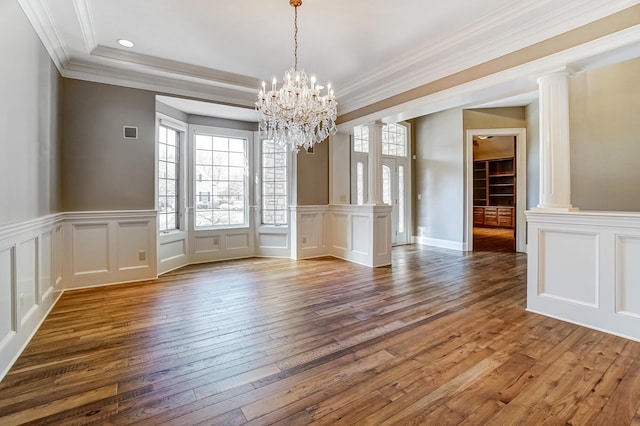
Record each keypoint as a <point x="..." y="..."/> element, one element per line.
<point x="478" y="216"/>
<point x="491" y="216"/>
<point x="494" y="197"/>
<point x="505" y="217"/>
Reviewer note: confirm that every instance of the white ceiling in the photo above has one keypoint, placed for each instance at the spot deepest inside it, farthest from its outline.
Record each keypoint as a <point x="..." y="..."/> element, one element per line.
<point x="220" y="50"/>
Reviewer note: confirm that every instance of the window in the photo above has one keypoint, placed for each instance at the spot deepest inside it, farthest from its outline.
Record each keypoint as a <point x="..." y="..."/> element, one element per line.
<point x="221" y="181"/>
<point x="274" y="183"/>
<point x="394" y="140"/>
<point x="168" y="178"/>
<point x="361" y="139"/>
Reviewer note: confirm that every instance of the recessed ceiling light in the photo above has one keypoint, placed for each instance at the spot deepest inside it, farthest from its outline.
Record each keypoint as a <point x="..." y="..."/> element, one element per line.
<point x="125" y="43"/>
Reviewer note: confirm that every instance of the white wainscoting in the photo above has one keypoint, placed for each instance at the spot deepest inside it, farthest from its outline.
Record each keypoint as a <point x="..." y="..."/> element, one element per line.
<point x="173" y="251"/>
<point x="583" y="268"/>
<point x="209" y="245"/>
<point x="272" y="240"/>
<point x="109" y="247"/>
<point x="30" y="281"/>
<point x="310" y="230"/>
<point x="360" y="234"/>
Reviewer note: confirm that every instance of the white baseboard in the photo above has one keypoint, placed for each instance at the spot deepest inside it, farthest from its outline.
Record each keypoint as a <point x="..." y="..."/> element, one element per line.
<point x="434" y="242"/>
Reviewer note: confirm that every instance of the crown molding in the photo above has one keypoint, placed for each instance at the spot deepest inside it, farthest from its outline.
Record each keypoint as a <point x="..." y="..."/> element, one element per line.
<point x="216" y="77"/>
<point x="84" y="14"/>
<point x="514" y="27"/>
<point x="160" y="84"/>
<point x="518" y="79"/>
<point x="42" y="22"/>
<point x="444" y="57"/>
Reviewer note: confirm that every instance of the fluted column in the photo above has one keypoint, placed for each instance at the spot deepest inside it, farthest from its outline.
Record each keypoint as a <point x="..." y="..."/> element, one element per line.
<point x="555" y="158"/>
<point x="375" y="163"/>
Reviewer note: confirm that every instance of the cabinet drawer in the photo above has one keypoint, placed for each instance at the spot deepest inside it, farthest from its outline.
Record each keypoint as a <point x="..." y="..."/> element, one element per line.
<point x="490" y="212"/>
<point x="505" y="221"/>
<point x="491" y="216"/>
<point x="505" y="211"/>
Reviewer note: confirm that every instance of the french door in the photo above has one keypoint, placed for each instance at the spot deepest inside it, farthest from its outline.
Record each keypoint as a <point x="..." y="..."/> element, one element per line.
<point x="394" y="193"/>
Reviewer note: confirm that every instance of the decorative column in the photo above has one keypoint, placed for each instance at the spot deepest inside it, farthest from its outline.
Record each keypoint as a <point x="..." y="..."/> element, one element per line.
<point x="555" y="158"/>
<point x="375" y="163"/>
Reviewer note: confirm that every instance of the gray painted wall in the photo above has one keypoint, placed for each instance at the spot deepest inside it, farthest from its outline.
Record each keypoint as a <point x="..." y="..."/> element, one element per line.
<point x="29" y="122"/>
<point x="439" y="176"/>
<point x="533" y="154"/>
<point x="101" y="169"/>
<point x="313" y="176"/>
<point x="605" y="138"/>
<point x="495" y="118"/>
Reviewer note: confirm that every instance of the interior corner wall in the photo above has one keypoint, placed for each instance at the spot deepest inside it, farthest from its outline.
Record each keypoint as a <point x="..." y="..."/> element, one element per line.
<point x="605" y="138"/>
<point x="313" y="176"/>
<point x="533" y="154"/>
<point x="101" y="170"/>
<point x="439" y="171"/>
<point x="29" y="122"/>
<point x="170" y="111"/>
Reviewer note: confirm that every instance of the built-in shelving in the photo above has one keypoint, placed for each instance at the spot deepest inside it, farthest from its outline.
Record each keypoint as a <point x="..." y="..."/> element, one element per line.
<point x="494" y="183"/>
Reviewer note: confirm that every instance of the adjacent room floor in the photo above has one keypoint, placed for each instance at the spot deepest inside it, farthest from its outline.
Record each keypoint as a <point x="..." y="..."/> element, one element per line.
<point x="493" y="239"/>
<point x="440" y="338"/>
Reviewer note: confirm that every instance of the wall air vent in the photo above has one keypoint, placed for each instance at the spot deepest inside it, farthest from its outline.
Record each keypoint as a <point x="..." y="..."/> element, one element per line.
<point x="130" y="132"/>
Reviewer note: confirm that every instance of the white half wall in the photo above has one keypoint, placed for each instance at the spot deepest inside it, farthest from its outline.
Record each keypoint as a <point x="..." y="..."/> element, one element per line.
<point x="361" y="234"/>
<point x="583" y="268"/>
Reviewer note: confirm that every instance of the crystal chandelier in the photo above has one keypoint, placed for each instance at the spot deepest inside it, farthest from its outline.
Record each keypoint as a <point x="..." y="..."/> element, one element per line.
<point x="296" y="114"/>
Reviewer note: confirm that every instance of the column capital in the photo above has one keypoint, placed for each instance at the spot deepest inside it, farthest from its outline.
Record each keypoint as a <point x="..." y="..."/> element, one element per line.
<point x="564" y="70"/>
<point x="374" y="124"/>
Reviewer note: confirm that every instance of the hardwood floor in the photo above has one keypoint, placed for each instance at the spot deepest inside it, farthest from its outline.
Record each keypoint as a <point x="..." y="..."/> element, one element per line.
<point x="493" y="239"/>
<point x="440" y="338"/>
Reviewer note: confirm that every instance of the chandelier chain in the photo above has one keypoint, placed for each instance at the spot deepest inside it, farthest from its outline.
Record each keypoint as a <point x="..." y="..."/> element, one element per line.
<point x="295" y="38"/>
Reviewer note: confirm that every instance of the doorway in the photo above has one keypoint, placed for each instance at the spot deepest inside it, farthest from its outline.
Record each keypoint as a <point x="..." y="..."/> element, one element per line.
<point x="496" y="189"/>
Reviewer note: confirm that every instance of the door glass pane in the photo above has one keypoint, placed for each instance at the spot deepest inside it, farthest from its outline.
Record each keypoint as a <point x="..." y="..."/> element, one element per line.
<point x="360" y="183"/>
<point x="386" y="185"/>
<point x="400" y="199"/>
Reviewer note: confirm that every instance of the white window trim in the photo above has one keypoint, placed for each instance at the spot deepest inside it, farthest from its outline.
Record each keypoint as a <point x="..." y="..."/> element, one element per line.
<point x="248" y="136"/>
<point x="258" y="184"/>
<point x="181" y="127"/>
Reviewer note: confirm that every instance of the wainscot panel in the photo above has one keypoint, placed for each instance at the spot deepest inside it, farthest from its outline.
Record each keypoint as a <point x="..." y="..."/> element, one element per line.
<point x="109" y="247"/>
<point x="582" y="268"/>
<point x="29" y="258"/>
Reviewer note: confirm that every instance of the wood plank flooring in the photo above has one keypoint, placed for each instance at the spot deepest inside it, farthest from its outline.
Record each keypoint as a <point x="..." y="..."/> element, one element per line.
<point x="440" y="338"/>
<point x="493" y="239"/>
